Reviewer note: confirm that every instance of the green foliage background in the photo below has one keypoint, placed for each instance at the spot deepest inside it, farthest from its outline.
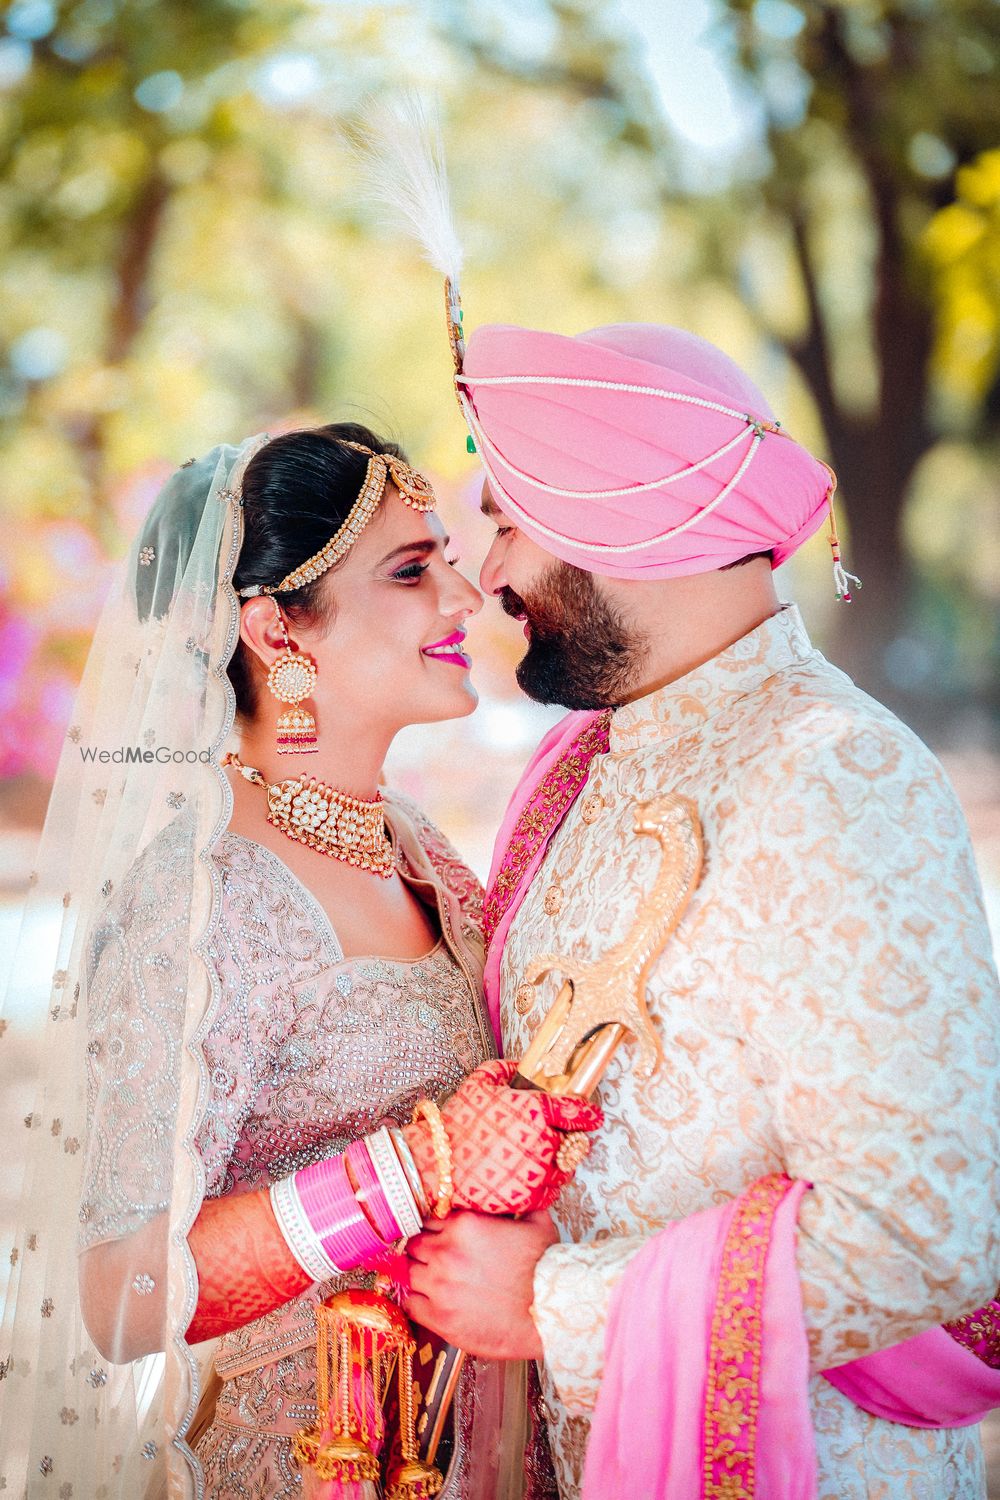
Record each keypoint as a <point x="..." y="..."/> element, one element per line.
<point x="187" y="257"/>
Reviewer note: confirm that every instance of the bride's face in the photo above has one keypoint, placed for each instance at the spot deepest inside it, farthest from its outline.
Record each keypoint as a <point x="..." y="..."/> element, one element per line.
<point x="394" y="653"/>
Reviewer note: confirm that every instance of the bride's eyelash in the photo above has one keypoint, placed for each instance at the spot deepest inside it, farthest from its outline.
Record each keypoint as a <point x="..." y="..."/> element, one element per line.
<point x="411" y="572"/>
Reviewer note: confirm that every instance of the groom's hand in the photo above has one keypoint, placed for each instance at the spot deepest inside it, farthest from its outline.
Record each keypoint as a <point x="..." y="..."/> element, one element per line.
<point x="471" y="1281"/>
<point x="511" y="1150"/>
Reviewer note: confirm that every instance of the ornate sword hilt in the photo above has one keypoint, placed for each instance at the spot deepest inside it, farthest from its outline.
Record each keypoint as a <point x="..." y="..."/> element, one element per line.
<point x="604" y="998"/>
<point x="598" y="1004"/>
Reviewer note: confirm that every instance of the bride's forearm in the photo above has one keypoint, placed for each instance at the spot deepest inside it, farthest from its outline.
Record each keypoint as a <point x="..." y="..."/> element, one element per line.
<point x="256" y="1251"/>
<point x="243" y="1264"/>
<point x="492" y="1149"/>
<point x="253" y="1252"/>
<point x="245" y="1267"/>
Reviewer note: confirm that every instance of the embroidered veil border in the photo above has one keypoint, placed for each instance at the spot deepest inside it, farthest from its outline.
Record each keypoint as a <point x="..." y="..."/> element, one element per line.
<point x="110" y="997"/>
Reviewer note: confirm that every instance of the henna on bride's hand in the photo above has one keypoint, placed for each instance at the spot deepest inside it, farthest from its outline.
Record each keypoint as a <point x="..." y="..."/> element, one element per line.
<point x="245" y="1267"/>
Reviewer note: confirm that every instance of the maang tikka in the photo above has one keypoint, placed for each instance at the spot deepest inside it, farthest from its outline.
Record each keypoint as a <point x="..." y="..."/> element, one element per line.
<point x="292" y="677"/>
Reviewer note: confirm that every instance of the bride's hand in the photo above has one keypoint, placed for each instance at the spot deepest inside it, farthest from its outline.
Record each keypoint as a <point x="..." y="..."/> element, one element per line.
<point x="511" y="1150"/>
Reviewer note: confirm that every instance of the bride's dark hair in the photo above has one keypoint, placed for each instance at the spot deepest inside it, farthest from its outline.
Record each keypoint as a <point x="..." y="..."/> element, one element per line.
<point x="297" y="491"/>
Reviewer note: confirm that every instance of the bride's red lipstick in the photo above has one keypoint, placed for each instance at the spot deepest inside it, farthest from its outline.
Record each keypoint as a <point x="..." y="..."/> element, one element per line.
<point x="449" y="650"/>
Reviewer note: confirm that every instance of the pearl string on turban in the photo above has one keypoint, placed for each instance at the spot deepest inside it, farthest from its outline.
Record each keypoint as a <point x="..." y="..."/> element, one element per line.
<point x="638" y="451"/>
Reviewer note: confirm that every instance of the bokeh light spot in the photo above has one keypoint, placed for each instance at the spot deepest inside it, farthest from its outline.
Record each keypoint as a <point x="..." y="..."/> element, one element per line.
<point x="15" y="60"/>
<point x="160" y="91"/>
<point x="30" y="20"/>
<point x="288" y="78"/>
<point x="39" y="354"/>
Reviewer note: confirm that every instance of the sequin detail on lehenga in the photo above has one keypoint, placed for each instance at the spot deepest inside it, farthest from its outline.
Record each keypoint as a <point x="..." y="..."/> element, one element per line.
<point x="308" y="1051"/>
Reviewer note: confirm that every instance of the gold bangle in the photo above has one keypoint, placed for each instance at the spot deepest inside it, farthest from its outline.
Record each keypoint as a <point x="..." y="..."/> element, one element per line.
<point x="426" y="1109"/>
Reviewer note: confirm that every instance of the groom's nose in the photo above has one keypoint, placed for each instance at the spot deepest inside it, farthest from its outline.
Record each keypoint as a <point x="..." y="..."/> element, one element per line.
<point x="492" y="577"/>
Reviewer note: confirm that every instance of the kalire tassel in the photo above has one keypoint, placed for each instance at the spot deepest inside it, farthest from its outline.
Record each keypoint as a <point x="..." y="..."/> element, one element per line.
<point x="414" y="1480"/>
<point x="362" y="1340"/>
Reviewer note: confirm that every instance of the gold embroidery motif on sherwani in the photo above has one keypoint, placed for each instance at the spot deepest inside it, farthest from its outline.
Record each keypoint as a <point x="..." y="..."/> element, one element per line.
<point x="828" y="1008"/>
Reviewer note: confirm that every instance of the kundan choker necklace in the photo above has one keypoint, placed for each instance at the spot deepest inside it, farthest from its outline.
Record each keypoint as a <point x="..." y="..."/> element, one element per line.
<point x="312" y="813"/>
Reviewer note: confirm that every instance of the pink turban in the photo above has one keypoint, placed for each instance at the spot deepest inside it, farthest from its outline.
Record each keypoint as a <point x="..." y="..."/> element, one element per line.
<point x="636" y="451"/>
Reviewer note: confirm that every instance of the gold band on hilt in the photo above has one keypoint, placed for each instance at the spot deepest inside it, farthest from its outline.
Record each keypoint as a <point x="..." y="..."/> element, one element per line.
<point x="426" y="1109"/>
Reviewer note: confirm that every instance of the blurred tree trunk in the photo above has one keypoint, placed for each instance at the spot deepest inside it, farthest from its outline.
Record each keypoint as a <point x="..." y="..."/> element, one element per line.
<point x="874" y="455"/>
<point x="138" y="244"/>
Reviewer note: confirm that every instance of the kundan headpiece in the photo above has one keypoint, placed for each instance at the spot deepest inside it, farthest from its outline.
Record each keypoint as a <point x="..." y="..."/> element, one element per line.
<point x="634" y="451"/>
<point x="414" y="490"/>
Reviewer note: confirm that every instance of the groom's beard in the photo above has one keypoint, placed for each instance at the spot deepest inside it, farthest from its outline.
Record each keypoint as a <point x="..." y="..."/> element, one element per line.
<point x="581" y="653"/>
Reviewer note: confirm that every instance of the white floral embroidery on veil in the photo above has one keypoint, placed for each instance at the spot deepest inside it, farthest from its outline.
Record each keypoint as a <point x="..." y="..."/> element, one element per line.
<point x="109" y="999"/>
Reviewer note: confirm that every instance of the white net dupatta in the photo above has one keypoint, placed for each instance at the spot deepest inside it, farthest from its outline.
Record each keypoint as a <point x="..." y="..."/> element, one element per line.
<point x="110" y="996"/>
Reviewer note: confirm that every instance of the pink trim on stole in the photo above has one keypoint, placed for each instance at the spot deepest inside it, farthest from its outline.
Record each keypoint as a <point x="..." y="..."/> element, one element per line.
<point x="705" y="1388"/>
<point x="551" y="782"/>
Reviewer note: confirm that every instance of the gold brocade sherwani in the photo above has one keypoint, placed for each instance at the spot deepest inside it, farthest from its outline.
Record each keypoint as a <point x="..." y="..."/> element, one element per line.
<point x="828" y="1008"/>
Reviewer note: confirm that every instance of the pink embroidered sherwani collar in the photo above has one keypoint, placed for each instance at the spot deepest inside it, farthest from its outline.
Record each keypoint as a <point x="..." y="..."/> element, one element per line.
<point x="688" y="703"/>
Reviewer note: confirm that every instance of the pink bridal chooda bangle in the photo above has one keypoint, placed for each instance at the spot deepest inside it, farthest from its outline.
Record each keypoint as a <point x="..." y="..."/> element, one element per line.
<point x="348" y="1210"/>
<point x="322" y="1221"/>
<point x="369" y="1192"/>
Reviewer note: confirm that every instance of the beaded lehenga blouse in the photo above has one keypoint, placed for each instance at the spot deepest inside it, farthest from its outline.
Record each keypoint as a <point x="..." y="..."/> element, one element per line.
<point x="308" y="1050"/>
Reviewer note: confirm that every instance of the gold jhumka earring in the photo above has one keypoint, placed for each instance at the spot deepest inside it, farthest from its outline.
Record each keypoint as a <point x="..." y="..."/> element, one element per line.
<point x="292" y="677"/>
<point x="363" y="1341"/>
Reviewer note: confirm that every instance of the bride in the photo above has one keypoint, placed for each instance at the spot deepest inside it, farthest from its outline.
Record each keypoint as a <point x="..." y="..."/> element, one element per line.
<point x="267" y="969"/>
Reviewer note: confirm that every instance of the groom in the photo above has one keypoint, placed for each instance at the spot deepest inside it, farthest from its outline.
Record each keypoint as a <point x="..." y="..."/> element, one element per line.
<point x="827" y="1008"/>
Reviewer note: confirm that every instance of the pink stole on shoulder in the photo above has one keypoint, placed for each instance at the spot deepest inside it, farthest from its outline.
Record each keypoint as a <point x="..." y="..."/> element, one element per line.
<point x="551" y="781"/>
<point x="707" y="1398"/>
<point x="706" y="1363"/>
